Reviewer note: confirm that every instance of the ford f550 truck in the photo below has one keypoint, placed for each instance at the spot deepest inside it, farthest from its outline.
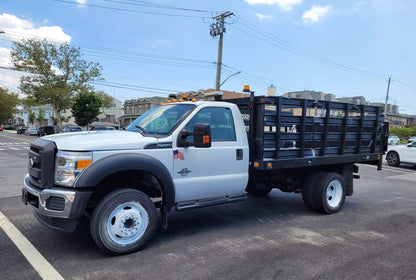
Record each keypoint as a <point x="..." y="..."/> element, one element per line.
<point x="194" y="154"/>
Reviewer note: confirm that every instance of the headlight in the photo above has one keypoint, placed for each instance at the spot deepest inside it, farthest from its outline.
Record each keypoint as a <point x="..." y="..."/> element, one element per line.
<point x="68" y="165"/>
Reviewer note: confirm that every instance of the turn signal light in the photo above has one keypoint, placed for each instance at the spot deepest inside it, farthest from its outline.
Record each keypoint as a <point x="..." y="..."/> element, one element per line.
<point x="82" y="163"/>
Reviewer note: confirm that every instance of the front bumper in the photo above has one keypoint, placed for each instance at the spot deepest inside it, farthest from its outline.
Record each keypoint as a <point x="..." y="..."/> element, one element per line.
<point x="56" y="208"/>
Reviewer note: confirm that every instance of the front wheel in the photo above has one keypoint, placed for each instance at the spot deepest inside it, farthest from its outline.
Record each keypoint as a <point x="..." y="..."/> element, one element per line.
<point x="123" y="221"/>
<point x="393" y="159"/>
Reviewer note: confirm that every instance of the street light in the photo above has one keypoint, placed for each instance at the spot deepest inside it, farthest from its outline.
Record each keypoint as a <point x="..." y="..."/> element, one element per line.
<point x="229" y="77"/>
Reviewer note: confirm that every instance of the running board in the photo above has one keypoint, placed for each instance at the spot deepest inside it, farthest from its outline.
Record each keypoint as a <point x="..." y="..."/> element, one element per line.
<point x="192" y="204"/>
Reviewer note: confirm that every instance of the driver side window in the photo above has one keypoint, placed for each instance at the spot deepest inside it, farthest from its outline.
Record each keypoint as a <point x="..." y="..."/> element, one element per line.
<point x="220" y="120"/>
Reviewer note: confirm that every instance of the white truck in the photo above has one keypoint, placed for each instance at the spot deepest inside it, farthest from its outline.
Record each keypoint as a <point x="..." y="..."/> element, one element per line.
<point x="186" y="155"/>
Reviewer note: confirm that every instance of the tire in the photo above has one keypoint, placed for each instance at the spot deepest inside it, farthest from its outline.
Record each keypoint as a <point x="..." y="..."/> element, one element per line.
<point x="308" y="190"/>
<point x="325" y="192"/>
<point x="393" y="159"/>
<point x="123" y="221"/>
<point x="258" y="188"/>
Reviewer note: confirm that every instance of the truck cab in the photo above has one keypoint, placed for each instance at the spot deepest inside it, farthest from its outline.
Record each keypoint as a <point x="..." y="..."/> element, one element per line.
<point x="178" y="155"/>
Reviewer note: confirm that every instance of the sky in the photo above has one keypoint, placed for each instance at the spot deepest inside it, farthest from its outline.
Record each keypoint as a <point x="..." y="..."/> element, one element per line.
<point x="154" y="48"/>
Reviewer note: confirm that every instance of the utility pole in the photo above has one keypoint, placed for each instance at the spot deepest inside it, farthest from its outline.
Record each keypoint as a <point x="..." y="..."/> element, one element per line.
<point x="387" y="96"/>
<point x="216" y="29"/>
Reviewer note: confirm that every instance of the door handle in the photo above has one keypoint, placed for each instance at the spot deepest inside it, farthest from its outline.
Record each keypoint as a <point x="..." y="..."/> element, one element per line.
<point x="239" y="154"/>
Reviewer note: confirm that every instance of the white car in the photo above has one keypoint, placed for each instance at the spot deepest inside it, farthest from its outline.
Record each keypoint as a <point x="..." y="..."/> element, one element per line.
<point x="412" y="139"/>
<point x="402" y="154"/>
<point x="393" y="140"/>
<point x="31" y="131"/>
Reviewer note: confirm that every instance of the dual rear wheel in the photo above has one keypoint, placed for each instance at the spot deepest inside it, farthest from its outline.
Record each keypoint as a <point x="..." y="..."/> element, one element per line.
<point x="324" y="192"/>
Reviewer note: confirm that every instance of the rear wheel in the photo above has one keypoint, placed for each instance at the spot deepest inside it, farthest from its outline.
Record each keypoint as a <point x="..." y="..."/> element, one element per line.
<point x="325" y="192"/>
<point x="393" y="159"/>
<point x="123" y="221"/>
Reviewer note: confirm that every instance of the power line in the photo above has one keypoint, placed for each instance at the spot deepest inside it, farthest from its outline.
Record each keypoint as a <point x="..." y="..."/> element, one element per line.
<point x="135" y="87"/>
<point x="271" y="39"/>
<point x="127" y="10"/>
<point x="152" y="5"/>
<point x="131" y="56"/>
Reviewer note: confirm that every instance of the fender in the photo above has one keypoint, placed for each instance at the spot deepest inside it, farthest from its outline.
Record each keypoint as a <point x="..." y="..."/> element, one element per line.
<point x="129" y="161"/>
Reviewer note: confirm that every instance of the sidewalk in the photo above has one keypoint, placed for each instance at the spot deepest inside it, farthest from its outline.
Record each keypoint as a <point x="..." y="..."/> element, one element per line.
<point x="9" y="131"/>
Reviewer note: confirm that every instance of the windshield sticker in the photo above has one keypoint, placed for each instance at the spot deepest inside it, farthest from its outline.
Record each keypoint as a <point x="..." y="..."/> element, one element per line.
<point x="178" y="155"/>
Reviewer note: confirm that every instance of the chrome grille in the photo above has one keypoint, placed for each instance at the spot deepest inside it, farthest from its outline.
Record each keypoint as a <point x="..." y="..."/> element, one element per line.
<point x="41" y="162"/>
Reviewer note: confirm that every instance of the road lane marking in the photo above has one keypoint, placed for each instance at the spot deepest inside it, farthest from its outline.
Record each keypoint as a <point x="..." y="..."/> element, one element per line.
<point x="393" y="169"/>
<point x="45" y="270"/>
<point x="16" y="138"/>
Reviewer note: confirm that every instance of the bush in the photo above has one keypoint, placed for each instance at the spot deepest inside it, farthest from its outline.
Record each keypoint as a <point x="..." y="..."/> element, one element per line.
<point x="403" y="132"/>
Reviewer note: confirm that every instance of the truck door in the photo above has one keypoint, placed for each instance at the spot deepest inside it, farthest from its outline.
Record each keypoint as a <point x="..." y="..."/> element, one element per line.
<point x="217" y="171"/>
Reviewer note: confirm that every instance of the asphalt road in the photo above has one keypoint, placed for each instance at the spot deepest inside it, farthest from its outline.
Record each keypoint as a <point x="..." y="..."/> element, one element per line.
<point x="276" y="237"/>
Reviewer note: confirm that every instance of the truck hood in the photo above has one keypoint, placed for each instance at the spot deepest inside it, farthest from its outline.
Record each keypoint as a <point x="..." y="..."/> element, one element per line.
<point x="100" y="140"/>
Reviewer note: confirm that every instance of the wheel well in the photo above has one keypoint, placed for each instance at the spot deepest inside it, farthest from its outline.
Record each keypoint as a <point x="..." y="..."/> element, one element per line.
<point x="140" y="180"/>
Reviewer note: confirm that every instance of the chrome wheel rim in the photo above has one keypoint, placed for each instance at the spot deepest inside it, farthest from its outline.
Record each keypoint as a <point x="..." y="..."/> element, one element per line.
<point x="127" y="223"/>
<point x="334" y="193"/>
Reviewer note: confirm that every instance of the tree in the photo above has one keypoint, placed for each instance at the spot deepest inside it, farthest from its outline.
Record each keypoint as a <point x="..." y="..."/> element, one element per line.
<point x="86" y="108"/>
<point x="41" y="116"/>
<point x="58" y="72"/>
<point x="8" y="103"/>
<point x="32" y="117"/>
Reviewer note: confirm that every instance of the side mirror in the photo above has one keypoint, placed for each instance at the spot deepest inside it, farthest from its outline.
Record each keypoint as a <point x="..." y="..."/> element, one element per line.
<point x="201" y="134"/>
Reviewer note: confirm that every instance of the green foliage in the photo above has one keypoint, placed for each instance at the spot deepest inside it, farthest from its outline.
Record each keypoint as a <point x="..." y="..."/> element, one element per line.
<point x="58" y="72"/>
<point x="106" y="100"/>
<point x="403" y="132"/>
<point x="8" y="102"/>
<point x="32" y="117"/>
<point x="86" y="108"/>
<point x="40" y="118"/>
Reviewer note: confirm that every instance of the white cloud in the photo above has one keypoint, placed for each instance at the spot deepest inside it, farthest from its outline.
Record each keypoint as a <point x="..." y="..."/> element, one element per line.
<point x="17" y="28"/>
<point x="262" y="16"/>
<point x="81" y="2"/>
<point x="316" y="13"/>
<point x="5" y="57"/>
<point x="286" y="5"/>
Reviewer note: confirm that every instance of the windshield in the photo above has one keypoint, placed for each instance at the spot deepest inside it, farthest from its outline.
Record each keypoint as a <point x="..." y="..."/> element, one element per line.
<point x="161" y="119"/>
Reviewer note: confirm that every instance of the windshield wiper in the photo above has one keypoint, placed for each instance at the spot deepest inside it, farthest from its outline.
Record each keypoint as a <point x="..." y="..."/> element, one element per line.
<point x="141" y="130"/>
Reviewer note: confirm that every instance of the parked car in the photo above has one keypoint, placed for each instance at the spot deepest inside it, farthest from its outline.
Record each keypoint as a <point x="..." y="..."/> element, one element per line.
<point x="46" y="130"/>
<point x="21" y="130"/>
<point x="94" y="128"/>
<point x="31" y="131"/>
<point x="402" y="154"/>
<point x="1" y="128"/>
<point x="71" y="129"/>
<point x="393" y="140"/>
<point x="411" y="139"/>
